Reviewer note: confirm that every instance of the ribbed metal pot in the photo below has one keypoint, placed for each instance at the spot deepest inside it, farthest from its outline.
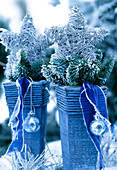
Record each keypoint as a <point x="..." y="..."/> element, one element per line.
<point x="40" y="98"/>
<point x="78" y="150"/>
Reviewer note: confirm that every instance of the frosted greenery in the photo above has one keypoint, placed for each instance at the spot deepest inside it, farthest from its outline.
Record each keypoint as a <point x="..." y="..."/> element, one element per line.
<point x="76" y="59"/>
<point x="80" y="71"/>
<point x="22" y="68"/>
<point x="102" y="2"/>
<point x="107" y="15"/>
<point x="35" y="46"/>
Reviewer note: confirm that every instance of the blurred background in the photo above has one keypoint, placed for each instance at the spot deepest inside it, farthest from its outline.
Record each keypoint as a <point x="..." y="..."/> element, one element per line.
<point x="47" y="13"/>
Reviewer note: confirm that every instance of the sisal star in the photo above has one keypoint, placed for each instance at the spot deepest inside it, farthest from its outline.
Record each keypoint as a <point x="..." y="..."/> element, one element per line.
<point x="76" y="37"/>
<point x="27" y="40"/>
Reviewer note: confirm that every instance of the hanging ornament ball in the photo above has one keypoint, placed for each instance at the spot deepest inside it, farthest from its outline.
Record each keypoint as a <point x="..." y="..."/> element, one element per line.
<point x="31" y="124"/>
<point x="97" y="127"/>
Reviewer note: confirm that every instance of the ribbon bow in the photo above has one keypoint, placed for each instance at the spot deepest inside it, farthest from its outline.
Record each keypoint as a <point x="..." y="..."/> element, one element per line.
<point x="93" y="103"/>
<point x="16" y="120"/>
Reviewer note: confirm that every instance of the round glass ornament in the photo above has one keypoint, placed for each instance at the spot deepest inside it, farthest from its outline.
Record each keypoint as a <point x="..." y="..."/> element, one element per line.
<point x="31" y="123"/>
<point x="97" y="127"/>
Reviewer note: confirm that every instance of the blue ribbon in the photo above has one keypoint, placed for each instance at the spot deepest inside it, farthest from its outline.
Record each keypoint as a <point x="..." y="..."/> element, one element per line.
<point x="93" y="107"/>
<point x="16" y="120"/>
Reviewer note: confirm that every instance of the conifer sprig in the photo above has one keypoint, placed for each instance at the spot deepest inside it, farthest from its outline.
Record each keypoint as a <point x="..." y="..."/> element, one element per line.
<point x="76" y="59"/>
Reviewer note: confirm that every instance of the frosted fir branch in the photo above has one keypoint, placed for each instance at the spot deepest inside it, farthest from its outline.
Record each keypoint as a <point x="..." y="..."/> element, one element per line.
<point x="106" y="69"/>
<point x="107" y="16"/>
<point x="35" y="45"/>
<point x="102" y="2"/>
<point x="104" y="9"/>
<point x="52" y="76"/>
<point x="81" y="71"/>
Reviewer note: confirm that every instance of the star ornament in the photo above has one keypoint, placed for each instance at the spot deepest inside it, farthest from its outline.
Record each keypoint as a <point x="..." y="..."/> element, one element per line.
<point x="27" y="40"/>
<point x="76" y="37"/>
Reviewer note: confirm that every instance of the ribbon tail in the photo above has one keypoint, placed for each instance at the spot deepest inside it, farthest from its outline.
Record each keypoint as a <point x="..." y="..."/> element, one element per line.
<point x="15" y="112"/>
<point x="103" y="114"/>
<point x="93" y="104"/>
<point x="16" y="120"/>
<point x="17" y="137"/>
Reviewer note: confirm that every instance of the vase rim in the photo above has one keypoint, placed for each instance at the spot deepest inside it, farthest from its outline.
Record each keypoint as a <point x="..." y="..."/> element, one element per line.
<point x="76" y="87"/>
<point x="41" y="82"/>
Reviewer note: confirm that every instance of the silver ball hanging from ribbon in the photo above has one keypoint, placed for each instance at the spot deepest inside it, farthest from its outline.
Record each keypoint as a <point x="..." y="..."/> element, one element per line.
<point x="97" y="127"/>
<point x="31" y="123"/>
